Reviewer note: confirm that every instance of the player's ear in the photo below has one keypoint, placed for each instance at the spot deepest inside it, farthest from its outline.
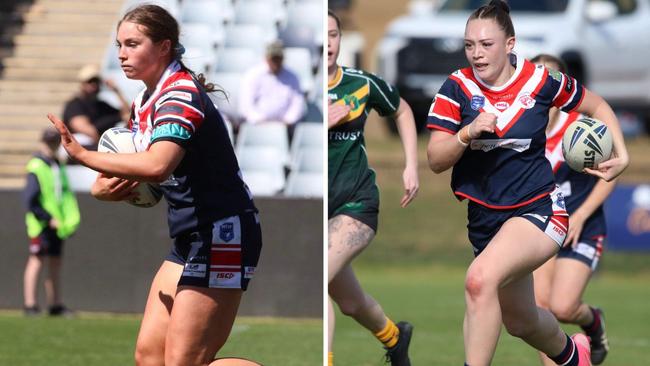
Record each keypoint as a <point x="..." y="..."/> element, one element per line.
<point x="165" y="47"/>
<point x="510" y="44"/>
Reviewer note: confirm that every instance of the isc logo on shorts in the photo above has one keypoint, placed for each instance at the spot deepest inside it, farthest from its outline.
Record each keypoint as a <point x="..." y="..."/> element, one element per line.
<point x="220" y="279"/>
<point x="556" y="231"/>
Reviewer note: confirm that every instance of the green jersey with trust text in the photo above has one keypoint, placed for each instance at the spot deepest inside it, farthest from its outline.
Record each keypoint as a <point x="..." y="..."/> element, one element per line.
<point x="351" y="182"/>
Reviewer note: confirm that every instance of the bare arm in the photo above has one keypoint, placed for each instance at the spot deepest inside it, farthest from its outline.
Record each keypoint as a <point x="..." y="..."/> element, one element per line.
<point x="595" y="199"/>
<point x="595" y="106"/>
<point x="444" y="150"/>
<point x="153" y="165"/>
<point x="406" y="127"/>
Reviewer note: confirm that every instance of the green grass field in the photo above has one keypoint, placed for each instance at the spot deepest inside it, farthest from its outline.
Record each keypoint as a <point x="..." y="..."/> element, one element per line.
<point x="98" y="339"/>
<point x="415" y="267"/>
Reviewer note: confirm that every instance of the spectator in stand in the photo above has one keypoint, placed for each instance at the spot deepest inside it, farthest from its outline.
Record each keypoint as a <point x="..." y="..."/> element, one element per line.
<point x="86" y="115"/>
<point x="52" y="216"/>
<point x="271" y="92"/>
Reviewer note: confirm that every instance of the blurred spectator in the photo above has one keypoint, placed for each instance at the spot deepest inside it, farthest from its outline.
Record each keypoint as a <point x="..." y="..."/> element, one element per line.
<point x="52" y="216"/>
<point x="87" y="116"/>
<point x="271" y="92"/>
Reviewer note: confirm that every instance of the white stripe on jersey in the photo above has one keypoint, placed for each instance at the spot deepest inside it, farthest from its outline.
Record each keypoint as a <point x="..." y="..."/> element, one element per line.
<point x="575" y="90"/>
<point x="444" y="118"/>
<point x="505" y="117"/>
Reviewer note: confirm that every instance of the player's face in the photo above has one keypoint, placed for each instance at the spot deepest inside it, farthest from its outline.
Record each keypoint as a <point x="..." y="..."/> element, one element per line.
<point x="140" y="57"/>
<point x="487" y="49"/>
<point x="333" y="42"/>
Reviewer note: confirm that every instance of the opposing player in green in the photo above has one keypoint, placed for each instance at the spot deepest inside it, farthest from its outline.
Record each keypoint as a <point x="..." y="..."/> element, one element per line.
<point x="353" y="203"/>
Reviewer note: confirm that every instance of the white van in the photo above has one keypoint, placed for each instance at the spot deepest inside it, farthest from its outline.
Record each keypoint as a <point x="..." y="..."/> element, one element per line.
<point x="605" y="43"/>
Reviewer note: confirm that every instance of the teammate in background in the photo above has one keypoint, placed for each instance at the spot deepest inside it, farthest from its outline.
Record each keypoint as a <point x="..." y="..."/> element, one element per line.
<point x="488" y="122"/>
<point x="52" y="216"/>
<point x="183" y="145"/>
<point x="561" y="281"/>
<point x="88" y="116"/>
<point x="353" y="195"/>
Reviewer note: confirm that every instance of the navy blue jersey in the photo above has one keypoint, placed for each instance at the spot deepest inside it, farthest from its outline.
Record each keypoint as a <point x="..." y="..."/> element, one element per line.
<point x="207" y="184"/>
<point x="505" y="169"/>
<point x="575" y="186"/>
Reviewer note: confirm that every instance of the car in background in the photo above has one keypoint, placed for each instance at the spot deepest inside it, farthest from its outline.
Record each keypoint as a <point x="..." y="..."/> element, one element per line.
<point x="605" y="43"/>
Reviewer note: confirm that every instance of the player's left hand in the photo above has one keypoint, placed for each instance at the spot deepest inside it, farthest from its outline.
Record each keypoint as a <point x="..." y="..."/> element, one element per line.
<point x="610" y="169"/>
<point x="69" y="143"/>
<point x="411" y="185"/>
<point x="576" y="223"/>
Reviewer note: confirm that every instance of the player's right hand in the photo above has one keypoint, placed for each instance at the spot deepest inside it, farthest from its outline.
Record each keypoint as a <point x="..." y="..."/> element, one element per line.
<point x="108" y="188"/>
<point x="484" y="122"/>
<point x="69" y="143"/>
<point x="336" y="112"/>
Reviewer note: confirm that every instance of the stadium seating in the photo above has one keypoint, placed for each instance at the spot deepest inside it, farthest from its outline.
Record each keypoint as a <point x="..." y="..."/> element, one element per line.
<point x="256" y="162"/>
<point x="304" y="185"/>
<point x="269" y="134"/>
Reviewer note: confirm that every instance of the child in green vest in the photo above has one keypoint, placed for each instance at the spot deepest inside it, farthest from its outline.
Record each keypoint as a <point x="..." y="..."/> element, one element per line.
<point x="52" y="216"/>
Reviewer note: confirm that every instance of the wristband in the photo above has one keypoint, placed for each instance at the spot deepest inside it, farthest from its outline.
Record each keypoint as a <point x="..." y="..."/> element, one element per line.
<point x="460" y="140"/>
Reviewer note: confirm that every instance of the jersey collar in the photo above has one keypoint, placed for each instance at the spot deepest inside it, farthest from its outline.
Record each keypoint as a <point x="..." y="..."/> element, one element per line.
<point x="337" y="78"/>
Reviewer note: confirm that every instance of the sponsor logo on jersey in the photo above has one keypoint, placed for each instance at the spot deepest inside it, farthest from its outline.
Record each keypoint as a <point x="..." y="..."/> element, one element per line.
<point x="478" y="101"/>
<point x="332" y="96"/>
<point x="555" y="75"/>
<point x="227" y="231"/>
<point x="502" y="106"/>
<point x="352" y="101"/>
<point x="194" y="270"/>
<point x="486" y="145"/>
<point x="527" y="101"/>
<point x="569" y="84"/>
<point x="344" y="136"/>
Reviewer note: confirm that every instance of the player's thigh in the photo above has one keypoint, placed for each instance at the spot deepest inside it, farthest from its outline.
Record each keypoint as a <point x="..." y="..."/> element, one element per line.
<point x="347" y="237"/>
<point x="543" y="279"/>
<point x="153" y="329"/>
<point x="516" y="250"/>
<point x="571" y="278"/>
<point x="200" y="323"/>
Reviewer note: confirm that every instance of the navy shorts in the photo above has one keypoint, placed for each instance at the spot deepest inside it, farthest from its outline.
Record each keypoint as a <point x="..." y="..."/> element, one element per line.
<point x="223" y="255"/>
<point x="548" y="214"/>
<point x="589" y="247"/>
<point x="47" y="243"/>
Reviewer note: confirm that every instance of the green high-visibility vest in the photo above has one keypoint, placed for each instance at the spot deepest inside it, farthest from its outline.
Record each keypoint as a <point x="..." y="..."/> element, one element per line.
<point x="56" y="198"/>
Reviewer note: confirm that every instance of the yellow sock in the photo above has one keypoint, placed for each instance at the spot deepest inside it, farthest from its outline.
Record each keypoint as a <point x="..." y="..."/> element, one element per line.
<point x="389" y="335"/>
<point x="330" y="358"/>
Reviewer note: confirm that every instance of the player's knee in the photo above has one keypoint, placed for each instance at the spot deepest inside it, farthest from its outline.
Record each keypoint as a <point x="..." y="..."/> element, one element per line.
<point x="564" y="312"/>
<point x="146" y="356"/>
<point x="477" y="284"/>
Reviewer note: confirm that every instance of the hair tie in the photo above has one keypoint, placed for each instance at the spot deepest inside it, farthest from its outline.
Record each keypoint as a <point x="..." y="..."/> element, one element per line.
<point x="179" y="50"/>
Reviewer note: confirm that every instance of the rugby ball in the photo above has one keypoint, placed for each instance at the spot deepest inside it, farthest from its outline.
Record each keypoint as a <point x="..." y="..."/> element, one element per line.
<point x="586" y="143"/>
<point x="120" y="140"/>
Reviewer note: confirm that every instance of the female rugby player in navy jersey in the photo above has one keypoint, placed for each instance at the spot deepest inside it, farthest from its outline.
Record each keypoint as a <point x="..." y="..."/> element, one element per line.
<point x="183" y="145"/>
<point x="488" y="122"/>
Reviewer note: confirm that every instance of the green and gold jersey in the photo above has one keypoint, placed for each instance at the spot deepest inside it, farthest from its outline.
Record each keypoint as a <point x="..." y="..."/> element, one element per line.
<point x="349" y="174"/>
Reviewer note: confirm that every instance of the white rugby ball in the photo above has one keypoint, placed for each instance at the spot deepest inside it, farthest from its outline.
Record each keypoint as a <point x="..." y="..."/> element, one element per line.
<point x="120" y="140"/>
<point x="586" y="143"/>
